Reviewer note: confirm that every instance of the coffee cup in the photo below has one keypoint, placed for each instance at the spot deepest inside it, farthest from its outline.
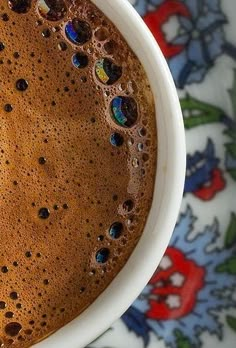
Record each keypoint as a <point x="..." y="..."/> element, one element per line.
<point x="170" y="174"/>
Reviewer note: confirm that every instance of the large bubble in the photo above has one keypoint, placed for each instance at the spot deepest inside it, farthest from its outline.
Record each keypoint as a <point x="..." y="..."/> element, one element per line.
<point x="78" y="31"/>
<point x="107" y="72"/>
<point x="124" y="111"/>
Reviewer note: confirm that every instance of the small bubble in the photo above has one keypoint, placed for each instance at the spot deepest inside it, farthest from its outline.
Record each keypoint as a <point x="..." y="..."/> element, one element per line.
<point x="65" y="206"/>
<point x="42" y="160"/>
<point x="135" y="162"/>
<point x="116" y="230"/>
<point x="46" y="33"/>
<point x="5" y="17"/>
<point x="18" y="305"/>
<point x="14" y="295"/>
<point x="12" y="329"/>
<point x="80" y="60"/>
<point x="83" y="79"/>
<point x="8" y="107"/>
<point x="44" y="213"/>
<point x="55" y="207"/>
<point x="92" y="273"/>
<point x="15" y="263"/>
<point x="19" y="6"/>
<point x="46" y="282"/>
<point x="140" y="147"/>
<point x="4" y="269"/>
<point x="116" y="139"/>
<point x="100" y="238"/>
<point x="82" y="290"/>
<point x="38" y="254"/>
<point x="128" y="205"/>
<point x="62" y="46"/>
<point x="145" y="157"/>
<point x="110" y="47"/>
<point x="15" y="183"/>
<point x="2" y="305"/>
<point x="102" y="255"/>
<point x="21" y="85"/>
<point x="16" y="55"/>
<point x="39" y="23"/>
<point x="101" y="34"/>
<point x="28" y="254"/>
<point x="56" y="29"/>
<point x="131" y="142"/>
<point x="142" y="132"/>
<point x="2" y="46"/>
<point x="28" y="332"/>
<point x="115" y="198"/>
<point x="9" y="315"/>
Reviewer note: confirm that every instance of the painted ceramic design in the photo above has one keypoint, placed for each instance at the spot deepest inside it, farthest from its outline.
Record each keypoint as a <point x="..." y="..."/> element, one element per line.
<point x="190" y="302"/>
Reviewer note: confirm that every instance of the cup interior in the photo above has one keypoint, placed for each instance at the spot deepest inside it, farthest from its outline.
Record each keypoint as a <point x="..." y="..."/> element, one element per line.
<point x="128" y="284"/>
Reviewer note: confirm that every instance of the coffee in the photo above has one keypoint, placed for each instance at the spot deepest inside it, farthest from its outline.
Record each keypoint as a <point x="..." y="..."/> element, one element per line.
<point x="78" y="162"/>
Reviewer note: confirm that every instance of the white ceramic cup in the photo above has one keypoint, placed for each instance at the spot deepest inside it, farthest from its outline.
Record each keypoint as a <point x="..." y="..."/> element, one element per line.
<point x="128" y="284"/>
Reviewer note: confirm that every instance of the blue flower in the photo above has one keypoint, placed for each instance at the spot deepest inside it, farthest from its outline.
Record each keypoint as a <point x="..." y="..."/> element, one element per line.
<point x="203" y="39"/>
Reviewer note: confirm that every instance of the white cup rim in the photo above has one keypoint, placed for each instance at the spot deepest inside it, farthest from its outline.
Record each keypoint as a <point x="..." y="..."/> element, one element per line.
<point x="128" y="284"/>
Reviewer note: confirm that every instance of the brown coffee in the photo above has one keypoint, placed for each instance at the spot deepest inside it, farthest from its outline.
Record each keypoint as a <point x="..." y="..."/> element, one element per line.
<point x="77" y="162"/>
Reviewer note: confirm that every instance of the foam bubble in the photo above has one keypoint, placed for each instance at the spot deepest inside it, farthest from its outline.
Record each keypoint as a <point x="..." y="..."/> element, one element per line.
<point x="76" y="162"/>
<point x="78" y="31"/>
<point x="52" y="10"/>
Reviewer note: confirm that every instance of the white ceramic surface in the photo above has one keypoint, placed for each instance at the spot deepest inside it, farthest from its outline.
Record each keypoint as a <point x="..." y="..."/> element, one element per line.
<point x="168" y="190"/>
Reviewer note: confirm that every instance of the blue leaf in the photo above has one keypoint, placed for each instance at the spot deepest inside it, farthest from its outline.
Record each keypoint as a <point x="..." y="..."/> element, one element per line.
<point x="136" y="322"/>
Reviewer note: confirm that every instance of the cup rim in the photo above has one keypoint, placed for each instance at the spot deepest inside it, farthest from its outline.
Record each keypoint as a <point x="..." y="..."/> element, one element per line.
<point x="170" y="175"/>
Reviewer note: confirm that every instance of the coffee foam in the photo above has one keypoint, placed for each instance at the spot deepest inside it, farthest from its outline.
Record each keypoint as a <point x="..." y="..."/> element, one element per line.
<point x="78" y="160"/>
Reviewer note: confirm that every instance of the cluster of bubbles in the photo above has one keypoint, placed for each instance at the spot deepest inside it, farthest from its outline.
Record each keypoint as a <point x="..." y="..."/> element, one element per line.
<point x="124" y="113"/>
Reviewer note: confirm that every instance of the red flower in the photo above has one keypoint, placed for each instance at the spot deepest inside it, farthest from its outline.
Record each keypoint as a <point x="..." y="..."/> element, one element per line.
<point x="208" y="191"/>
<point x="176" y="279"/>
<point x="157" y="18"/>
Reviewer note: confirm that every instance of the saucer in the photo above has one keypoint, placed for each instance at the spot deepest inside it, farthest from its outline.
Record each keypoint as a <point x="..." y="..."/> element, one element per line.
<point x="191" y="299"/>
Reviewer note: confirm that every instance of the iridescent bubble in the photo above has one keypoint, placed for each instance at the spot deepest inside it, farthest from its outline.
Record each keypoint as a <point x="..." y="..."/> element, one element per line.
<point x="107" y="72"/>
<point x="102" y="255"/>
<point x="19" y="6"/>
<point x="116" y="230"/>
<point x="80" y="60"/>
<point x="52" y="10"/>
<point x="124" y="111"/>
<point x="116" y="139"/>
<point x="78" y="31"/>
<point x="44" y="213"/>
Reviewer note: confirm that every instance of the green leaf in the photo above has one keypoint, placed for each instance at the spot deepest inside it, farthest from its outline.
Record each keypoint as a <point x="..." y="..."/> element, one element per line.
<point x="231" y="149"/>
<point x="232" y="93"/>
<point x="230" y="238"/>
<point x="182" y="341"/>
<point x="232" y="172"/>
<point x="231" y="321"/>
<point x="197" y="113"/>
<point x="229" y="266"/>
<point x="231" y="133"/>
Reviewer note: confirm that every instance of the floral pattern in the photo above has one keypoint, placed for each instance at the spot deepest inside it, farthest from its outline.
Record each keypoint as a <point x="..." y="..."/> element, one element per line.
<point x="190" y="302"/>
